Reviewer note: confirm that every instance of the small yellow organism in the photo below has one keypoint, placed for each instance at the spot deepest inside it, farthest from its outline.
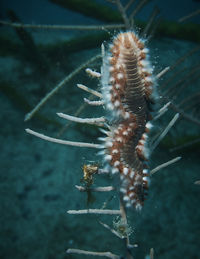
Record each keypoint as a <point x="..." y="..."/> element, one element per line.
<point x="88" y="172"/>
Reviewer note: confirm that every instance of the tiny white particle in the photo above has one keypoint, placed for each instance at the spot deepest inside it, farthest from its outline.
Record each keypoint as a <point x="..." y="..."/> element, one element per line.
<point x="118" y="66"/>
<point x="108" y="157"/>
<point x="120" y="76"/>
<point x="127" y="115"/>
<point x="116" y="131"/>
<point x="131" y="188"/>
<point x="141" y="142"/>
<point x="144" y="70"/>
<point x="145" y="178"/>
<point x="122" y="190"/>
<point x="128" y="205"/>
<point x="108" y="97"/>
<point x="148" y="79"/>
<point x="121" y="177"/>
<point x="139" y="147"/>
<point x="114" y="50"/>
<point x="111" y="69"/>
<point x="144" y="63"/>
<point x="125" y="170"/>
<point x="112" y="80"/>
<point x="126" y="198"/>
<point x="116" y="163"/>
<point x="101" y="139"/>
<point x="145" y="171"/>
<point x="137" y="177"/>
<point x="125" y="133"/>
<point x="138" y="206"/>
<point x="117" y="86"/>
<point x="145" y="136"/>
<point x="146" y="152"/>
<point x="115" y="151"/>
<point x="133" y="201"/>
<point x="108" y="144"/>
<point x="116" y="103"/>
<point x="110" y="106"/>
<point x="132" y="174"/>
<point x="115" y="170"/>
<point x="100" y="153"/>
<point x="145" y="50"/>
<point x="131" y="194"/>
<point x="149" y="125"/>
<point x="119" y="139"/>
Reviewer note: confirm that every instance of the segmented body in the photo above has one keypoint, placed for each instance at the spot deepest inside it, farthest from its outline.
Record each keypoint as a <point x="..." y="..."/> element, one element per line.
<point x="127" y="90"/>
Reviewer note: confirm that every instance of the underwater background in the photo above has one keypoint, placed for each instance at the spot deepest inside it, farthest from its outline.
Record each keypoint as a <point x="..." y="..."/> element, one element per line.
<point x="38" y="178"/>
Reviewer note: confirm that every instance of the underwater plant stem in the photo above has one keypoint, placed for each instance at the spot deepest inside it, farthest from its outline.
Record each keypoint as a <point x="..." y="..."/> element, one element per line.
<point x="164" y="133"/>
<point x="55" y="89"/>
<point x="93" y="103"/>
<point x="79" y="251"/>
<point x="123" y="14"/>
<point x="138" y="8"/>
<point x="182" y="19"/>
<point x="162" y="111"/>
<point x="92" y="121"/>
<point x="97" y="189"/>
<point x="111" y="230"/>
<point x="153" y="171"/>
<point x="185" y="145"/>
<point x="63" y="27"/>
<point x="63" y="142"/>
<point x="165" y="70"/>
<point x="95" y="211"/>
<point x="89" y="90"/>
<point x="150" y="22"/>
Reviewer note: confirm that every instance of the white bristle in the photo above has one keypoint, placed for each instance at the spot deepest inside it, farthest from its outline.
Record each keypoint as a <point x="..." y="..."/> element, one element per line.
<point x="120" y="76"/>
<point x="122" y="190"/>
<point x="104" y="131"/>
<point x="148" y="79"/>
<point x="108" y="144"/>
<point x="125" y="133"/>
<point x="119" y="139"/>
<point x="145" y="178"/>
<point x="149" y="125"/>
<point x="108" y="157"/>
<point x="145" y="50"/>
<point x="128" y="205"/>
<point x="125" y="170"/>
<point x="126" y="115"/>
<point x="115" y="170"/>
<point x="101" y="139"/>
<point x="116" y="103"/>
<point x="110" y="106"/>
<point x="145" y="171"/>
<point x="117" y="86"/>
<point x="111" y="80"/>
<point x="116" y="163"/>
<point x="115" y="151"/>
<point x="126" y="198"/>
<point x="100" y="153"/>
<point x="132" y="174"/>
<point x="138" y="206"/>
